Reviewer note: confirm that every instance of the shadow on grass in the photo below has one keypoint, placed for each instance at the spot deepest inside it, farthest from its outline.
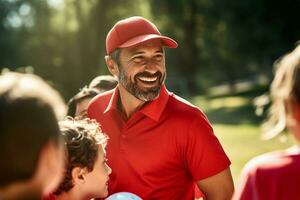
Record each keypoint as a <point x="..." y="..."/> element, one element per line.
<point x="254" y="92"/>
<point x="237" y="115"/>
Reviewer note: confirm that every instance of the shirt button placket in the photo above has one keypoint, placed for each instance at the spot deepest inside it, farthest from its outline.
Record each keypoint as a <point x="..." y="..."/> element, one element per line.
<point x="123" y="137"/>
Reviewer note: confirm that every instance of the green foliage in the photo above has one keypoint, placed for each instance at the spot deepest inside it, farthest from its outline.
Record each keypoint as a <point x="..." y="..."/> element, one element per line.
<point x="219" y="41"/>
<point x="9" y="54"/>
<point x="225" y="41"/>
<point x="66" y="41"/>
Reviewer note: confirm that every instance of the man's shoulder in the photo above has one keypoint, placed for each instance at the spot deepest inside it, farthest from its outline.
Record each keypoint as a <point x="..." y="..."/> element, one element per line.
<point x="100" y="102"/>
<point x="179" y="102"/>
<point x="184" y="111"/>
<point x="183" y="106"/>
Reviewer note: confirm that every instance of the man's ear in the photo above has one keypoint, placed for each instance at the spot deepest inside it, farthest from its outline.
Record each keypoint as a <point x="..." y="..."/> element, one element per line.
<point x="79" y="174"/>
<point x="112" y="66"/>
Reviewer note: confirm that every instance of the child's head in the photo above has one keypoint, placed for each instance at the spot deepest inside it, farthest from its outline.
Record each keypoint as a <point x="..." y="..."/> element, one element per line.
<point x="77" y="105"/>
<point x="29" y="133"/>
<point x="285" y="95"/>
<point x="86" y="172"/>
<point x="103" y="83"/>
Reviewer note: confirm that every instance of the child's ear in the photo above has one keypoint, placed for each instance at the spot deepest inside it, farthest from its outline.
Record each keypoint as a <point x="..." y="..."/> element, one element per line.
<point x="79" y="174"/>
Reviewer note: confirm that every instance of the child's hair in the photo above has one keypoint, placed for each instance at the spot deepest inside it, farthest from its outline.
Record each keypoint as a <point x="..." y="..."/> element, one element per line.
<point x="84" y="93"/>
<point x="29" y="111"/>
<point x="103" y="83"/>
<point x="82" y="138"/>
<point x="284" y="88"/>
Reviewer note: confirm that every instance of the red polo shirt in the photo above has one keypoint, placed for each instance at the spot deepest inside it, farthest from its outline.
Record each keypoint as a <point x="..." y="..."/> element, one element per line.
<point x="161" y="150"/>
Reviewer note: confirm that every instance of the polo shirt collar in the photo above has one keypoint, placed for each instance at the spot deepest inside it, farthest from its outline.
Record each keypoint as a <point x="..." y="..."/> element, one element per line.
<point x="113" y="102"/>
<point x="153" y="109"/>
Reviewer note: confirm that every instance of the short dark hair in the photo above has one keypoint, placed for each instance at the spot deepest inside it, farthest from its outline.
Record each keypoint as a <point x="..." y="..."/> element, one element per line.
<point x="84" y="93"/>
<point x="27" y="122"/>
<point x="103" y="83"/>
<point x="115" y="56"/>
<point x="82" y="138"/>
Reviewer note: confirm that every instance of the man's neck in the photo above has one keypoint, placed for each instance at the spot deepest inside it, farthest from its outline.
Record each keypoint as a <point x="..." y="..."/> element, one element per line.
<point x="128" y="103"/>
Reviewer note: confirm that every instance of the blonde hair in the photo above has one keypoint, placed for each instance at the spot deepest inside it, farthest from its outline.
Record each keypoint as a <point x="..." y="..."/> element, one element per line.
<point x="285" y="88"/>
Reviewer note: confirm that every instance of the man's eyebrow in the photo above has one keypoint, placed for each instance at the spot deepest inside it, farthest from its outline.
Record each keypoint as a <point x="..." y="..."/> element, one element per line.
<point x="136" y="52"/>
<point x="133" y="52"/>
<point x="159" y="51"/>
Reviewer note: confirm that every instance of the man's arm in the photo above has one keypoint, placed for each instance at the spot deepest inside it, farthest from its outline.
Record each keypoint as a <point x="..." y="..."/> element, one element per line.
<point x="217" y="187"/>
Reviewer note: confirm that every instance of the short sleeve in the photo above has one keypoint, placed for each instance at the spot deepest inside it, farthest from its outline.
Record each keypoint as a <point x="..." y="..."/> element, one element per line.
<point x="204" y="155"/>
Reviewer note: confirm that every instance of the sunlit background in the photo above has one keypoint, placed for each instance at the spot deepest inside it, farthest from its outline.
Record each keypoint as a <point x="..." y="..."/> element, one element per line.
<point x="224" y="60"/>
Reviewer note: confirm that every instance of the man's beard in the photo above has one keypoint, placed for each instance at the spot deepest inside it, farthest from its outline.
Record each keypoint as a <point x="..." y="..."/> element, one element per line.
<point x="143" y="94"/>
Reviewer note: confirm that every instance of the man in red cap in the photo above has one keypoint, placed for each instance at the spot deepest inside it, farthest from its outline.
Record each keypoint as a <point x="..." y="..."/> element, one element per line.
<point x="160" y="145"/>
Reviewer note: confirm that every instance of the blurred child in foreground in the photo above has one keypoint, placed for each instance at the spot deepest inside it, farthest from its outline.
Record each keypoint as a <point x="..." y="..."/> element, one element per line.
<point x="276" y="175"/>
<point x="31" y="153"/>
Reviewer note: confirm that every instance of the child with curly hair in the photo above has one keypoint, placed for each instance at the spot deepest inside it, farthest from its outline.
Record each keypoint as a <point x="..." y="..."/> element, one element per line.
<point x="86" y="174"/>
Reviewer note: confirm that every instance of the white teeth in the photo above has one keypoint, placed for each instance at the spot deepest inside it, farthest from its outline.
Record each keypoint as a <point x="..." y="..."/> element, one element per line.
<point x="148" y="79"/>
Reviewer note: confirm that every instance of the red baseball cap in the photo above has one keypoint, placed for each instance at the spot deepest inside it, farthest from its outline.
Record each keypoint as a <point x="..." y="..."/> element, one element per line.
<point x="132" y="31"/>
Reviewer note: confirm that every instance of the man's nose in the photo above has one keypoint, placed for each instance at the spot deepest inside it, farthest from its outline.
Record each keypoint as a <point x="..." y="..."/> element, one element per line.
<point x="151" y="67"/>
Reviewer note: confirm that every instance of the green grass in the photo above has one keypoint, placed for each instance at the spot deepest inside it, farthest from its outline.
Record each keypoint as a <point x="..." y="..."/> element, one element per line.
<point x="242" y="142"/>
<point x="237" y="127"/>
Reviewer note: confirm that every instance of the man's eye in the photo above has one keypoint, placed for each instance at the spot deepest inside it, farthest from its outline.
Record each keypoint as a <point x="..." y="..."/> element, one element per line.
<point x="158" y="57"/>
<point x="137" y="59"/>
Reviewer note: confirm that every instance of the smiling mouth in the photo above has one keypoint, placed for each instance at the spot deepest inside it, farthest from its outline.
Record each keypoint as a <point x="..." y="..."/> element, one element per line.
<point x="148" y="79"/>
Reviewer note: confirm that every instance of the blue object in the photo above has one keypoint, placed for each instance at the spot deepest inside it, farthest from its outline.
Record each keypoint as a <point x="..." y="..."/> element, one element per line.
<point x="123" y="196"/>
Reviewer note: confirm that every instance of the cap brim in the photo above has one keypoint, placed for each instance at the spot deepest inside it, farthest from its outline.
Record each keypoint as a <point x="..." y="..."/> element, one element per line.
<point x="167" y="42"/>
